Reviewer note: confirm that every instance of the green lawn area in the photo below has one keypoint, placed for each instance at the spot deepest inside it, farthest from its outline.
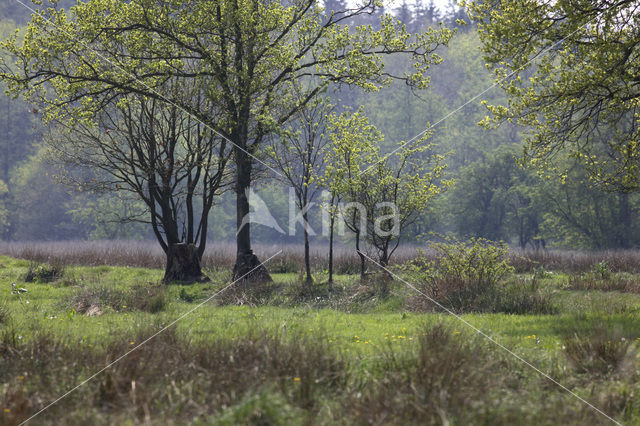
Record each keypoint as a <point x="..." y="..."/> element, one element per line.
<point x="383" y="347"/>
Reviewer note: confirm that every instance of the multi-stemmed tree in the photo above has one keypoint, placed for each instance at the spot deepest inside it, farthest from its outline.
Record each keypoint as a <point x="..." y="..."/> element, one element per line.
<point x="247" y="56"/>
<point x="384" y="194"/>
<point x="162" y="155"/>
<point x="354" y="145"/>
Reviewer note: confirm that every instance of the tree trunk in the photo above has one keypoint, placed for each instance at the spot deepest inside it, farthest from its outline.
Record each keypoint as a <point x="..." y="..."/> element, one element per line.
<point x="247" y="268"/>
<point x="362" y="258"/>
<point x="386" y="275"/>
<point x="307" y="260"/>
<point x="384" y="258"/>
<point x="331" y="228"/>
<point x="183" y="264"/>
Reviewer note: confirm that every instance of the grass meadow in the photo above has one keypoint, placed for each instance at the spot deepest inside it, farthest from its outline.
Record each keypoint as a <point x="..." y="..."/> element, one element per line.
<point x="348" y="353"/>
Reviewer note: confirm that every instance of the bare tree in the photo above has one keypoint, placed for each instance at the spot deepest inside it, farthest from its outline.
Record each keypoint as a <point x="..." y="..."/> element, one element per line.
<point x="298" y="154"/>
<point x="162" y="155"/>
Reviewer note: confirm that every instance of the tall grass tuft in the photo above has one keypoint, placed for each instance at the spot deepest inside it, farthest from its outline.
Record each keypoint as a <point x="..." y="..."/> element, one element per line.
<point x="96" y="300"/>
<point x="600" y="351"/>
<point x="436" y="384"/>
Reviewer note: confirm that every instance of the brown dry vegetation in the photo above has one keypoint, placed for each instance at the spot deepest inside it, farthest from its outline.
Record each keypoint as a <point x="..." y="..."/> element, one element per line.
<point x="222" y="256"/>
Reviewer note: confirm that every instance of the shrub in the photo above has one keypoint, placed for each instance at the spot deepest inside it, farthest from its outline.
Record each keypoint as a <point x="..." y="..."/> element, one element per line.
<point x="601" y="269"/>
<point x="464" y="276"/>
<point x="43" y="272"/>
<point x="477" y="261"/>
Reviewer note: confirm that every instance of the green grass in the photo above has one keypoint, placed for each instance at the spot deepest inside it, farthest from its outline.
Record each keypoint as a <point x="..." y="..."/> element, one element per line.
<point x="379" y="338"/>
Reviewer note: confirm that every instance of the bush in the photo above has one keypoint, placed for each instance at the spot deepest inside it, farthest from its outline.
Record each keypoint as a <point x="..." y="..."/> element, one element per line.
<point x="464" y="275"/>
<point x="601" y="269"/>
<point x="43" y="272"/>
<point x="477" y="261"/>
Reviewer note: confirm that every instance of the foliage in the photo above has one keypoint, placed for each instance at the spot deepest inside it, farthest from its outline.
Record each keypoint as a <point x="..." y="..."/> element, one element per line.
<point x="43" y="273"/>
<point x="522" y="209"/>
<point x="243" y="60"/>
<point x="496" y="199"/>
<point x="155" y="153"/>
<point x="384" y="193"/>
<point x="570" y="72"/>
<point x="476" y="260"/>
<point x="577" y="215"/>
<point x="18" y="122"/>
<point x="32" y="186"/>
<point x="298" y="153"/>
<point x="110" y="216"/>
<point x="463" y="276"/>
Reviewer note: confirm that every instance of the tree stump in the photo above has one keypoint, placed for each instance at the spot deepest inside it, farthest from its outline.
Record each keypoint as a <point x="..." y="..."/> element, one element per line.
<point x="249" y="270"/>
<point x="183" y="265"/>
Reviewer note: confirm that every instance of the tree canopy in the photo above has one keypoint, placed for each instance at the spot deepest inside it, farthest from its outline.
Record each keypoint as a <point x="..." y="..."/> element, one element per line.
<point x="245" y="56"/>
<point x="570" y="70"/>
